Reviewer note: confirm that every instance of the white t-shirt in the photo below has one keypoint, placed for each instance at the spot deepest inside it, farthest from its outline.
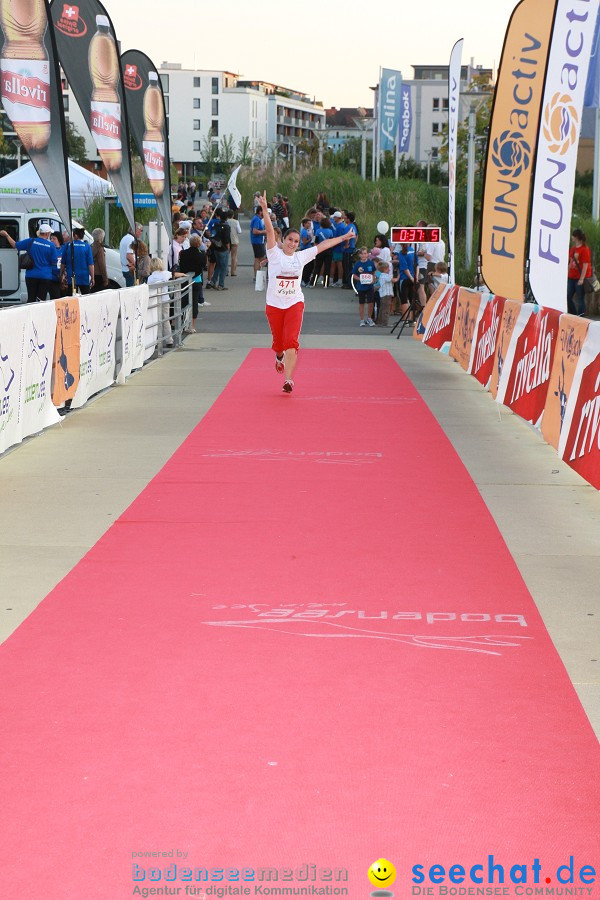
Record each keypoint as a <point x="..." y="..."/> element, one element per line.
<point x="386" y="288"/>
<point x="161" y="275"/>
<point x="285" y="276"/>
<point x="125" y="248"/>
<point x="385" y="255"/>
<point x="436" y="250"/>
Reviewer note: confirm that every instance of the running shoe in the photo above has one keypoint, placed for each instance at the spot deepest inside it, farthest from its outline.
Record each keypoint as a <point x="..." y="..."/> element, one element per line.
<point x="279" y="368"/>
<point x="363" y="323"/>
<point x="370" y="322"/>
<point x="288" y="386"/>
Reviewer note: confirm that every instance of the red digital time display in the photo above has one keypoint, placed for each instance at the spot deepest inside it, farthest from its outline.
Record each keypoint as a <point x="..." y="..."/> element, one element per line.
<point x="411" y="235"/>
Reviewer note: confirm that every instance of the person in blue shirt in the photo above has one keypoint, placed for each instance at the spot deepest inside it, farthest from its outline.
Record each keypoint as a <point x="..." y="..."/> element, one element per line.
<point x="257" y="238"/>
<point x="363" y="277"/>
<point x="84" y="263"/>
<point x="323" y="266"/>
<point x="307" y="240"/>
<point x="348" y="250"/>
<point x="42" y="251"/>
<point x="56" y="286"/>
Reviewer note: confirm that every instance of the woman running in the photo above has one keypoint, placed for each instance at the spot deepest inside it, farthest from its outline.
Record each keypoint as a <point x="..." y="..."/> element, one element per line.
<point x="285" y="300"/>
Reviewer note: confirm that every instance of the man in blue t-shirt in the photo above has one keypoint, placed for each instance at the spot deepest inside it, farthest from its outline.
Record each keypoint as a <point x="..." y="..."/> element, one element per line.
<point x="348" y="250"/>
<point x="257" y="238"/>
<point x="84" y="262"/>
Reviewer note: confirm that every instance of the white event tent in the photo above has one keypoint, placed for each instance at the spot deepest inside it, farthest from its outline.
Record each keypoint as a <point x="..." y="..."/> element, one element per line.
<point x="22" y="190"/>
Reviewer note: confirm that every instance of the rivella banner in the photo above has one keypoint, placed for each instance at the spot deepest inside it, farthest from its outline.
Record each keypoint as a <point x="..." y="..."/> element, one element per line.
<point x="148" y="123"/>
<point x="87" y="48"/>
<point x="453" y="118"/>
<point x="390" y="95"/>
<point x="32" y="95"/>
<point x="511" y="147"/>
<point x="579" y="443"/>
<point x="558" y="140"/>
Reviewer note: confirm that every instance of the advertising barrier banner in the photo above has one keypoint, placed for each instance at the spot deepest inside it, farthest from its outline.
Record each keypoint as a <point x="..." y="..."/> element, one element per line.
<point x="12" y="340"/>
<point x="148" y="122"/>
<point x="134" y="321"/>
<point x="37" y="408"/>
<point x="579" y="444"/>
<point x="485" y="340"/>
<point x="439" y="328"/>
<point x="424" y="317"/>
<point x="572" y="331"/>
<point x="65" y="364"/>
<point x="99" y="315"/>
<point x="87" y="47"/>
<point x="524" y="382"/>
<point x="453" y="118"/>
<point x="32" y="94"/>
<point x="469" y="308"/>
<point x="511" y="147"/>
<point x="510" y="312"/>
<point x="558" y="140"/>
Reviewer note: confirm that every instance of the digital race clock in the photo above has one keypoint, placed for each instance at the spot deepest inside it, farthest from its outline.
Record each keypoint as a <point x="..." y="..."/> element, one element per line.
<point x="413" y="235"/>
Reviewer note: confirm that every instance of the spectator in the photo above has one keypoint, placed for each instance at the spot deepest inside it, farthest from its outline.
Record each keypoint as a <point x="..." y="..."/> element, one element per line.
<point x="336" y="274"/>
<point x="57" y="279"/>
<point x="235" y="229"/>
<point x="83" y="265"/>
<point x="323" y="266"/>
<point x="192" y="191"/>
<point x="440" y="274"/>
<point x="222" y="244"/>
<point x="179" y="239"/>
<point x="193" y="260"/>
<point x="158" y="275"/>
<point x="580" y="267"/>
<point x="349" y="250"/>
<point x="386" y="292"/>
<point x="126" y="252"/>
<point x="99" y="257"/>
<point x="363" y="276"/>
<point x="257" y="238"/>
<point x="143" y="258"/>
<point x="44" y="255"/>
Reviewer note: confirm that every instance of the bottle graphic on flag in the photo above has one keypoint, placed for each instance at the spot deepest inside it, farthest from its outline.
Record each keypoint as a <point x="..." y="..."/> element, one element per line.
<point x="105" y="108"/>
<point x="153" y="143"/>
<point x="25" y="71"/>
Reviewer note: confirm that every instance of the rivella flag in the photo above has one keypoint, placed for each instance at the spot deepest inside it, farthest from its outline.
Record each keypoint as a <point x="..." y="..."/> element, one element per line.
<point x="32" y="95"/>
<point x="232" y="187"/>
<point x="87" y="49"/>
<point x="558" y="140"/>
<point x="453" y="118"/>
<point x="148" y="123"/>
<point x="511" y="147"/>
<point x="390" y="93"/>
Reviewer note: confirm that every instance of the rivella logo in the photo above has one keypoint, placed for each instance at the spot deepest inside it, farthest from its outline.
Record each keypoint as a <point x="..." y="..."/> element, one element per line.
<point x="70" y="22"/>
<point x="561" y="123"/>
<point x="511" y="154"/>
<point x="132" y="78"/>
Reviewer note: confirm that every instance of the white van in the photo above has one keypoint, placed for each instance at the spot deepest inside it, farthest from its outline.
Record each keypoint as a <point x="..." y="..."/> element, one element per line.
<point x="22" y="225"/>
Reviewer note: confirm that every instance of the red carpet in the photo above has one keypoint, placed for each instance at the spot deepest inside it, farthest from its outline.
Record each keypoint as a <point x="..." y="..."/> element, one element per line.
<point x="304" y="645"/>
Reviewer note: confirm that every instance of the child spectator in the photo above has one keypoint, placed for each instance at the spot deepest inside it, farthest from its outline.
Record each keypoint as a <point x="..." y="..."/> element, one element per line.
<point x="363" y="278"/>
<point x="386" y="292"/>
<point x="440" y="274"/>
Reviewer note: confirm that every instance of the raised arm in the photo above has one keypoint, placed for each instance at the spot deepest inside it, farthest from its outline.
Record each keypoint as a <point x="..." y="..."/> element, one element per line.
<point x="271" y="239"/>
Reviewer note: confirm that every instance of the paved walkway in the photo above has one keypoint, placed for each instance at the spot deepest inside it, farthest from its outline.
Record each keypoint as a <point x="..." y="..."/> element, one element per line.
<point x="64" y="488"/>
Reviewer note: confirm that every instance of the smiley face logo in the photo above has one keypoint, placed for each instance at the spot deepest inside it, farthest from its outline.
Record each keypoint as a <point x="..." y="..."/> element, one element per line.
<point x="382" y="873"/>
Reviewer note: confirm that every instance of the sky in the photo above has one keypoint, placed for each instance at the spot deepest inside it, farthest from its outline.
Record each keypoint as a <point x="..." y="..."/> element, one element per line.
<point x="333" y="56"/>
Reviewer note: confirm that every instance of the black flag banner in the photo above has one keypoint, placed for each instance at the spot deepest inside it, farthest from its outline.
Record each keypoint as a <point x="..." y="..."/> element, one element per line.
<point x="32" y="94"/>
<point x="87" y="48"/>
<point x="148" y="123"/>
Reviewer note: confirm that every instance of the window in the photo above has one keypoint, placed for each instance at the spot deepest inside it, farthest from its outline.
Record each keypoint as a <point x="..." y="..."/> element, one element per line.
<point x="196" y="102"/>
<point x="436" y="103"/>
<point x="66" y="103"/>
<point x="434" y="153"/>
<point x="215" y="127"/>
<point x="215" y="107"/>
<point x="196" y="81"/>
<point x="164" y="80"/>
<point x="167" y="104"/>
<point x="435" y="128"/>
<point x="197" y="147"/>
<point x="215" y="86"/>
<point x="196" y="124"/>
<point x="445" y="104"/>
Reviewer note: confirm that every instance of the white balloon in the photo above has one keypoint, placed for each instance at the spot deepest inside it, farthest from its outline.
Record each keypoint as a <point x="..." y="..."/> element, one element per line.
<point x="383" y="227"/>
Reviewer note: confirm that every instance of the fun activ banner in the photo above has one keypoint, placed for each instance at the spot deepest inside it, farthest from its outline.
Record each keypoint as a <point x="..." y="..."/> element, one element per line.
<point x="469" y="306"/>
<point x="579" y="444"/>
<point x="485" y="339"/>
<point x="390" y="88"/>
<point x="453" y="119"/>
<point x="572" y="331"/>
<point x="526" y="373"/>
<point x="511" y="147"/>
<point x="406" y="116"/>
<point x="87" y="47"/>
<point x="148" y="124"/>
<point x="99" y="315"/>
<point x="65" y="364"/>
<point x="32" y="94"/>
<point x="558" y="140"/>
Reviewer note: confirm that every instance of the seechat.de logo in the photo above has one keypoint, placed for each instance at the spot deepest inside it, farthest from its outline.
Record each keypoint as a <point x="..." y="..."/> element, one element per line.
<point x="561" y="122"/>
<point x="511" y="154"/>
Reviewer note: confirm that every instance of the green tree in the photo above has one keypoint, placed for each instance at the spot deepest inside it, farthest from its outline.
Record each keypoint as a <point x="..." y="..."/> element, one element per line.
<point x="208" y="153"/>
<point x="226" y="151"/>
<point x="243" y="152"/>
<point x="75" y="145"/>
